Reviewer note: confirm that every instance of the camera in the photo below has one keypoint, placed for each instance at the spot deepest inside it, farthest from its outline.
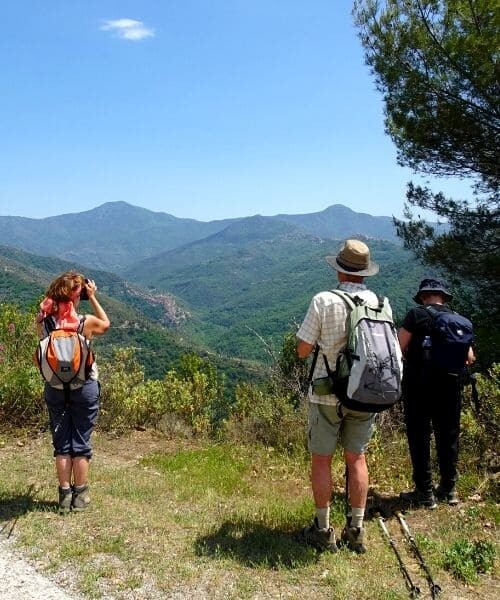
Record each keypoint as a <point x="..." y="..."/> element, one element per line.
<point x="84" y="294"/>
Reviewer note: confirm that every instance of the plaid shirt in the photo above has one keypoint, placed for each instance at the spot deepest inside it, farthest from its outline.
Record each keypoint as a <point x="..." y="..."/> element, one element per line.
<point x="325" y="324"/>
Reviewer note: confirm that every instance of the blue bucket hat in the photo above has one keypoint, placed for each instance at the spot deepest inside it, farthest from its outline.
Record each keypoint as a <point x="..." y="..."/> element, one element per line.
<point x="432" y="285"/>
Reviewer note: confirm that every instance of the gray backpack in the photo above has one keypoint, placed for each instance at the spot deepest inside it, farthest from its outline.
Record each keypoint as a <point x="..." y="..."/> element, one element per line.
<point x="369" y="369"/>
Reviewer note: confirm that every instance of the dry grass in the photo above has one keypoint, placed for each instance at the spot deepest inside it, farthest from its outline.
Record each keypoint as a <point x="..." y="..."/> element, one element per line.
<point x="189" y="519"/>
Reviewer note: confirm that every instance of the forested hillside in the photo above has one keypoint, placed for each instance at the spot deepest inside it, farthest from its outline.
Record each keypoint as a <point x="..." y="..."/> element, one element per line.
<point x="143" y="320"/>
<point x="233" y="291"/>
<point x="236" y="283"/>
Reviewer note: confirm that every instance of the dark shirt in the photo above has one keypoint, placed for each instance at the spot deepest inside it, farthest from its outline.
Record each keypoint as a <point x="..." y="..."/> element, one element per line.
<point x="418" y="322"/>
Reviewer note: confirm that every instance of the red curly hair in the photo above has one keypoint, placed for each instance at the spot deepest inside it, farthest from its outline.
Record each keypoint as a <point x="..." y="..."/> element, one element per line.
<point x="63" y="287"/>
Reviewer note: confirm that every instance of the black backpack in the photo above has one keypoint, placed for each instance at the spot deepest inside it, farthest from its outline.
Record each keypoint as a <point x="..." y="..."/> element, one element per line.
<point x="451" y="338"/>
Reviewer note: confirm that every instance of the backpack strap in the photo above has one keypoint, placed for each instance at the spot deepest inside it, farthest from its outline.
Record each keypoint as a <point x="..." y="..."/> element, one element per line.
<point x="88" y="342"/>
<point x="475" y="395"/>
<point x="327" y="366"/>
<point x="431" y="310"/>
<point x="434" y="312"/>
<point x="351" y="301"/>
<point x="49" y="325"/>
<point x="313" y="364"/>
<point x="81" y="325"/>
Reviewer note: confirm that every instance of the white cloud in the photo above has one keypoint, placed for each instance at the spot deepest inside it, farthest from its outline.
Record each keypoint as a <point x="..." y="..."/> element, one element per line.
<point x="128" y="29"/>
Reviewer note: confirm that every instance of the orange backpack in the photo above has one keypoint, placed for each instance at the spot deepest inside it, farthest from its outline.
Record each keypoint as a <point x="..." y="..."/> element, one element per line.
<point x="64" y="357"/>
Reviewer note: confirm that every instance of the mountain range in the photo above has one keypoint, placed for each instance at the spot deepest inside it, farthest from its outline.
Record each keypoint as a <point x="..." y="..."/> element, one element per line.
<point x="224" y="286"/>
<point x="116" y="235"/>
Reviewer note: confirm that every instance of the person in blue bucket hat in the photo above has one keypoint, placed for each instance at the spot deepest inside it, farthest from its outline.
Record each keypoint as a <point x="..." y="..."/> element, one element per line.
<point x="432" y="399"/>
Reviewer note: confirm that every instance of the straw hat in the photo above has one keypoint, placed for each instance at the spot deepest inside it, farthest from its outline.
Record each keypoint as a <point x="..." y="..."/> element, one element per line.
<point x="354" y="259"/>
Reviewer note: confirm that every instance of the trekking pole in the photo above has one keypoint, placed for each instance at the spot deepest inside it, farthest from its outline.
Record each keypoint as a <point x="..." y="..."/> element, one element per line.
<point x="433" y="586"/>
<point x="413" y="589"/>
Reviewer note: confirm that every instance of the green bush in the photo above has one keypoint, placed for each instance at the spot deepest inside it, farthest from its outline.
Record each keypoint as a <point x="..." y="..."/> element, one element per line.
<point x="201" y="400"/>
<point x="273" y="414"/>
<point x="467" y="559"/>
<point x="21" y="386"/>
<point x="128" y="400"/>
<point x="479" y="435"/>
<point x="266" y="417"/>
<point x="186" y="399"/>
<point x="131" y="401"/>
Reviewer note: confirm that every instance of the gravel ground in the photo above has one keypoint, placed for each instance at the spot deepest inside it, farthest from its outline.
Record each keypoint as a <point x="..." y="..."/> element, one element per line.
<point x="20" y="581"/>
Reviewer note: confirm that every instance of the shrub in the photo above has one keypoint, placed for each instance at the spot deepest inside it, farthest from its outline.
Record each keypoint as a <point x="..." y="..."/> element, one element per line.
<point x="200" y="399"/>
<point x="21" y="386"/>
<point x="186" y="399"/>
<point x="128" y="400"/>
<point x="266" y="417"/>
<point x="480" y="421"/>
<point x="273" y="414"/>
<point x="467" y="559"/>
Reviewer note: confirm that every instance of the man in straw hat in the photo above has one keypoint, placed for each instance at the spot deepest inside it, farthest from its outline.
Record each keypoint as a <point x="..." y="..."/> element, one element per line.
<point x="325" y="325"/>
<point x="432" y="401"/>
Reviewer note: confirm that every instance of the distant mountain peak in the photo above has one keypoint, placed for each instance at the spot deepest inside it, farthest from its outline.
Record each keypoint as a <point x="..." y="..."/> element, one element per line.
<point x="340" y="222"/>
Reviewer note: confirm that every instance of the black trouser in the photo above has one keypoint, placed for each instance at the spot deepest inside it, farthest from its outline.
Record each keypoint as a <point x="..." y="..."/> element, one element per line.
<point x="432" y="403"/>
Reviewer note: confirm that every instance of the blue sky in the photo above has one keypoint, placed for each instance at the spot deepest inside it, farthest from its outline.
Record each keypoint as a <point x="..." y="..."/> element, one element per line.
<point x="206" y="109"/>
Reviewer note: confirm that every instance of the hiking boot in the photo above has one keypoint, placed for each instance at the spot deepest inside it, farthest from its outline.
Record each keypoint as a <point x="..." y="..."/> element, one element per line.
<point x="417" y="498"/>
<point x="449" y="496"/>
<point x="354" y="538"/>
<point x="81" y="498"/>
<point x="321" y="539"/>
<point x="65" y="497"/>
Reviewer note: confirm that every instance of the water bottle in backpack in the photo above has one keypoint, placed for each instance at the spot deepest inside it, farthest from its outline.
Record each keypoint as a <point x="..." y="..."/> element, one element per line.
<point x="427" y="347"/>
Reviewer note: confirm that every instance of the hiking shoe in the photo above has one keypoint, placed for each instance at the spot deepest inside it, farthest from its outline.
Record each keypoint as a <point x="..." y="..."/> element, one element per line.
<point x="65" y="497"/>
<point x="354" y="538"/>
<point x="449" y="496"/>
<point x="81" y="498"/>
<point x="321" y="539"/>
<point x="417" y="498"/>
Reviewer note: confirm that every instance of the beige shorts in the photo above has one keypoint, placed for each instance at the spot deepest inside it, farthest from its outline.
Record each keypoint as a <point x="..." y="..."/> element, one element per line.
<point x="328" y="424"/>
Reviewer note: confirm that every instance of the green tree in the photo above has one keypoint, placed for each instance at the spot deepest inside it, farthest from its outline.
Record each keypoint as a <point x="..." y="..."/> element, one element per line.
<point x="436" y="64"/>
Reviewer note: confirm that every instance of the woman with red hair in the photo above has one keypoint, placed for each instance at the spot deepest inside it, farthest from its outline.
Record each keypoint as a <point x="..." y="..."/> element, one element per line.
<point x="72" y="422"/>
